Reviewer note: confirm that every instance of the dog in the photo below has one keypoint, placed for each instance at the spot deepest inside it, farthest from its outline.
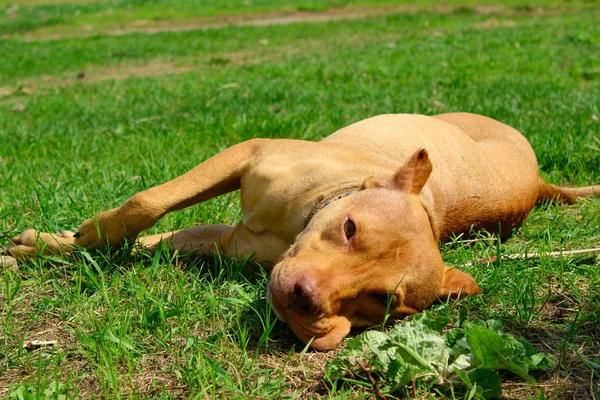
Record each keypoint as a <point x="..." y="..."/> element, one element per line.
<point x="350" y="223"/>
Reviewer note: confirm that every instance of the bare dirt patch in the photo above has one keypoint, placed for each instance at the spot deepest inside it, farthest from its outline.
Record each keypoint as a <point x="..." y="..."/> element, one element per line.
<point x="495" y="23"/>
<point x="6" y="91"/>
<point x="50" y="2"/>
<point x="264" y="19"/>
<point x="121" y="72"/>
<point x="93" y="74"/>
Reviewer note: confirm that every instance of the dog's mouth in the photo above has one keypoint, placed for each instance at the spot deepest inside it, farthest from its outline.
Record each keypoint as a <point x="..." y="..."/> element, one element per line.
<point x="321" y="331"/>
<point x="326" y="335"/>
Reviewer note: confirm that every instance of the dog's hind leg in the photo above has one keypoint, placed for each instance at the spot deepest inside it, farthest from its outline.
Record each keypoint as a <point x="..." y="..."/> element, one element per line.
<point x="232" y="241"/>
<point x="203" y="239"/>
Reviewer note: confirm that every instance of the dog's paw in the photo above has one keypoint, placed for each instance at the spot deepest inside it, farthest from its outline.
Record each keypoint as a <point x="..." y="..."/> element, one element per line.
<point x="112" y="227"/>
<point x="32" y="242"/>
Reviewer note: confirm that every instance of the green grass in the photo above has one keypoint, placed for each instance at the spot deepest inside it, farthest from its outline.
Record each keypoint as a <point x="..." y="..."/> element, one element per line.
<point x="151" y="107"/>
<point x="38" y="15"/>
<point x="35" y="19"/>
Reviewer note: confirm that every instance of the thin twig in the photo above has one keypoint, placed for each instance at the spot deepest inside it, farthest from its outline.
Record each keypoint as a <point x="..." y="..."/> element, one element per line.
<point x="564" y="296"/>
<point x="550" y="290"/>
<point x="592" y="385"/>
<point x="155" y="390"/>
<point x="376" y="389"/>
<point x="526" y="256"/>
<point x="36" y="344"/>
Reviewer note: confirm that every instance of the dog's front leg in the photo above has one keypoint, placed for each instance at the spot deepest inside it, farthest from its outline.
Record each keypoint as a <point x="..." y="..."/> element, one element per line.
<point x="217" y="175"/>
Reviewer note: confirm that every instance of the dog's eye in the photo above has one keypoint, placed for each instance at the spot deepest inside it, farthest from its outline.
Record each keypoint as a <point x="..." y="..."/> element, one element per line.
<point x="383" y="298"/>
<point x="386" y="299"/>
<point x="349" y="229"/>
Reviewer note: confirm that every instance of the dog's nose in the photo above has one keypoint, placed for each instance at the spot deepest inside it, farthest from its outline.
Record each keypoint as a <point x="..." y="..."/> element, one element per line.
<point x="303" y="298"/>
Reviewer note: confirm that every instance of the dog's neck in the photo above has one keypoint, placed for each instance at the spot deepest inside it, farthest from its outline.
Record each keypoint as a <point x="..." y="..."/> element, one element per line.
<point x="327" y="200"/>
<point x="426" y="201"/>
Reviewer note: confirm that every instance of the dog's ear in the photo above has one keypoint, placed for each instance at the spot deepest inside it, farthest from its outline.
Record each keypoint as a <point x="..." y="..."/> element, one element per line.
<point x="411" y="177"/>
<point x="456" y="283"/>
<point x="414" y="174"/>
<point x="374" y="183"/>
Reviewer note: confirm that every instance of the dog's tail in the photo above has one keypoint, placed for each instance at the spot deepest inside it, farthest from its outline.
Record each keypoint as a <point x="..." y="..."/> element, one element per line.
<point x="565" y="194"/>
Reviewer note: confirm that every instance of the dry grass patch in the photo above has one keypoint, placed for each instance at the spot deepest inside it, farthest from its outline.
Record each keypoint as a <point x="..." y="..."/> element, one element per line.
<point x="50" y="2"/>
<point x="114" y="72"/>
<point x="91" y="74"/>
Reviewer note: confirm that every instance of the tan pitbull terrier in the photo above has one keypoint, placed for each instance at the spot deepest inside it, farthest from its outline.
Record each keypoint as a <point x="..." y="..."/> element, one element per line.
<point x="352" y="221"/>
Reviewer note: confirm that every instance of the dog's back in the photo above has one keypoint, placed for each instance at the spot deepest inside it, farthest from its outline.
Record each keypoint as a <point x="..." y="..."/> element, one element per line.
<point x="483" y="170"/>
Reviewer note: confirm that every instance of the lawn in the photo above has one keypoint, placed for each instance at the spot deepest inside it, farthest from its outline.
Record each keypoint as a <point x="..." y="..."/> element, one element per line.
<point x="90" y="116"/>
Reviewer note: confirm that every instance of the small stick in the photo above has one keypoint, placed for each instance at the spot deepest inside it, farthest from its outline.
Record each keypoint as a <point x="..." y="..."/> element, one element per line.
<point x="550" y="290"/>
<point x="155" y="390"/>
<point x="36" y="344"/>
<point x="533" y="255"/>
<point x="592" y="385"/>
<point x="376" y="389"/>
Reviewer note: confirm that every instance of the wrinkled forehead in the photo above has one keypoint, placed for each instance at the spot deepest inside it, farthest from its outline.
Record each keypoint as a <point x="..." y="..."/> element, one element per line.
<point x="365" y="205"/>
<point x="380" y="203"/>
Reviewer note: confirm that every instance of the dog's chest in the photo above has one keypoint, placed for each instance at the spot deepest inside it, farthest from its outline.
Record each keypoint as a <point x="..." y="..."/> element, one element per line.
<point x="276" y="194"/>
<point x="279" y="190"/>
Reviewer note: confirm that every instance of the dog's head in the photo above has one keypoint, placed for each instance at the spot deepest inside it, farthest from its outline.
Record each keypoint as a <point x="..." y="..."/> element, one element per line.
<point x="361" y="257"/>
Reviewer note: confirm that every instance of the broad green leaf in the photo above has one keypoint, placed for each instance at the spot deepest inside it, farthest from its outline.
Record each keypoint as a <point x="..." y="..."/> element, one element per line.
<point x="537" y="361"/>
<point x="491" y="324"/>
<point x="367" y="346"/>
<point x="375" y="341"/>
<point x="475" y="392"/>
<point x="483" y="383"/>
<point x="459" y="346"/>
<point x="464" y="361"/>
<point x="488" y="380"/>
<point x="419" y="345"/>
<point x="426" y="318"/>
<point x="492" y="351"/>
<point x="399" y="374"/>
<point x="541" y="362"/>
<point x="453" y="335"/>
<point x="415" y="350"/>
